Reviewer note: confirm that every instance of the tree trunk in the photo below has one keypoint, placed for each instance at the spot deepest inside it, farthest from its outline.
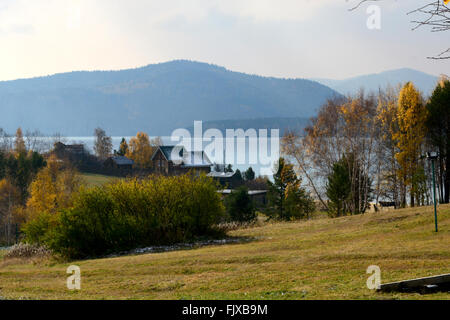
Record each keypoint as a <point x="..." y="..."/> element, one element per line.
<point x="447" y="180"/>
<point x="403" y="195"/>
<point x="440" y="175"/>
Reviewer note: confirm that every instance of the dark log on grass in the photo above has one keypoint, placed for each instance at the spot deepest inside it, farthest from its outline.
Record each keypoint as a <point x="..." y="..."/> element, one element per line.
<point x="428" y="283"/>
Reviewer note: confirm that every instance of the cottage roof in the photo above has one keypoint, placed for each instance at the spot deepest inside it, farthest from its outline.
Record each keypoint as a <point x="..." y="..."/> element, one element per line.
<point x="226" y="175"/>
<point x="170" y="153"/>
<point x="196" y="159"/>
<point x="122" y="161"/>
<point x="179" y="156"/>
<point x="250" y="192"/>
<point x="73" y="148"/>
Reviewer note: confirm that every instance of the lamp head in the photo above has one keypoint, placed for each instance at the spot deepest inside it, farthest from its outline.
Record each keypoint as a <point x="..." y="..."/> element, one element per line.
<point x="432" y="155"/>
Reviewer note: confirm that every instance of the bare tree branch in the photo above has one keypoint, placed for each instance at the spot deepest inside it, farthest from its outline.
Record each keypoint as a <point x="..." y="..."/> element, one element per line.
<point x="442" y="55"/>
<point x="437" y="16"/>
<point x="360" y="3"/>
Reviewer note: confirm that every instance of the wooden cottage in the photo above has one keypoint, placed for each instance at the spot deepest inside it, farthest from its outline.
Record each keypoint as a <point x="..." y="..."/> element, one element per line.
<point x="228" y="180"/>
<point x="119" y="164"/>
<point x="175" y="160"/>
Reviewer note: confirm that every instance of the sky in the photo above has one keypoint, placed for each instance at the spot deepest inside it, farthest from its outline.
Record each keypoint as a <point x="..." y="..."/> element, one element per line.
<point x="280" y="38"/>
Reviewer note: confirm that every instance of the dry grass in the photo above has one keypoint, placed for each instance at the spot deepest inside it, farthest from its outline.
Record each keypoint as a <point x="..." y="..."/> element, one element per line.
<point x="95" y="180"/>
<point x="317" y="259"/>
<point x="25" y="250"/>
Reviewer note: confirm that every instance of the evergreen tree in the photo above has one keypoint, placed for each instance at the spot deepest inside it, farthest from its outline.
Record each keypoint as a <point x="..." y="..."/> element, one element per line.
<point x="240" y="206"/>
<point x="438" y="126"/>
<point x="123" y="149"/>
<point x="249" y="175"/>
<point x="238" y="175"/>
<point x="287" y="199"/>
<point x="21" y="168"/>
<point x="339" y="188"/>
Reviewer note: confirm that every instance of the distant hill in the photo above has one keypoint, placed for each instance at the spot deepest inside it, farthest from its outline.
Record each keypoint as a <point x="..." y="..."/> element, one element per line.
<point x="371" y="82"/>
<point x="156" y="99"/>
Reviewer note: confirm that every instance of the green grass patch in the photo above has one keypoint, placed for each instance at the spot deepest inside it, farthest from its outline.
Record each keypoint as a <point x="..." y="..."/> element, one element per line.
<point x="97" y="179"/>
<point x="316" y="259"/>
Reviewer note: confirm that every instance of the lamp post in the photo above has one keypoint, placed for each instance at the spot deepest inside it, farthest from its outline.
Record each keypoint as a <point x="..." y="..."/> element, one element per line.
<point x="432" y="156"/>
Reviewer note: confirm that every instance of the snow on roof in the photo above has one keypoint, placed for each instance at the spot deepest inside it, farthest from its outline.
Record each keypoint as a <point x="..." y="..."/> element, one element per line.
<point x="250" y="192"/>
<point x="221" y="174"/>
<point x="195" y="159"/>
<point x="179" y="156"/>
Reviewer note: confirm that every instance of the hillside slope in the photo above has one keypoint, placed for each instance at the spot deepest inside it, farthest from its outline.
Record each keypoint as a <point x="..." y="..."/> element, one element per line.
<point x="317" y="259"/>
<point x="372" y="82"/>
<point x="156" y="98"/>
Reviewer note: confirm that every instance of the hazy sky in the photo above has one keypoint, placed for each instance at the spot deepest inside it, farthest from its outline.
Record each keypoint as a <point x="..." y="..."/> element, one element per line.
<point x="282" y="38"/>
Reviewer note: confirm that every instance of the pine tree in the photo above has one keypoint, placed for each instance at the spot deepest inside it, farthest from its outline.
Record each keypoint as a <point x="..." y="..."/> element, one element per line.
<point x="287" y="199"/>
<point x="123" y="149"/>
<point x="249" y="175"/>
<point x="238" y="175"/>
<point x="240" y="206"/>
<point x="339" y="188"/>
<point x="438" y="125"/>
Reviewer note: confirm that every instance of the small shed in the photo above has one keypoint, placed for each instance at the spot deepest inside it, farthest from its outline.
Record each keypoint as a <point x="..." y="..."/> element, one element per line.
<point x="120" y="163"/>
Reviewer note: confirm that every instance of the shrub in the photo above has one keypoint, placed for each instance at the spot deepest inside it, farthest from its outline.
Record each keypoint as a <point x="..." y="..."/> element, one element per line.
<point x="240" y="206"/>
<point x="132" y="213"/>
<point x="38" y="230"/>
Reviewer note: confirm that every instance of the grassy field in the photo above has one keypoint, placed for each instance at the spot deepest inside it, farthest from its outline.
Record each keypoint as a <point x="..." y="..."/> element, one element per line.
<point x="317" y="259"/>
<point x="97" y="179"/>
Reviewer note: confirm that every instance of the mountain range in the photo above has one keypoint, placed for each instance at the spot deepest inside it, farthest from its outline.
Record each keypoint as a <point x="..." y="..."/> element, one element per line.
<point x="162" y="97"/>
<point x="156" y="99"/>
<point x="372" y="82"/>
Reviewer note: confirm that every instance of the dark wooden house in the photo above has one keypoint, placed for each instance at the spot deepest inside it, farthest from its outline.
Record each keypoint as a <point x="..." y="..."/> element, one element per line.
<point x="175" y="160"/>
<point x="228" y="180"/>
<point x="119" y="164"/>
<point x="62" y="150"/>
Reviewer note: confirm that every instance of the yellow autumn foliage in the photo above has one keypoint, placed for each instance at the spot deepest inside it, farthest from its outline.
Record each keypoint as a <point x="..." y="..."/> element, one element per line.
<point x="19" y="142"/>
<point x="411" y="115"/>
<point x="141" y="149"/>
<point x="52" y="189"/>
